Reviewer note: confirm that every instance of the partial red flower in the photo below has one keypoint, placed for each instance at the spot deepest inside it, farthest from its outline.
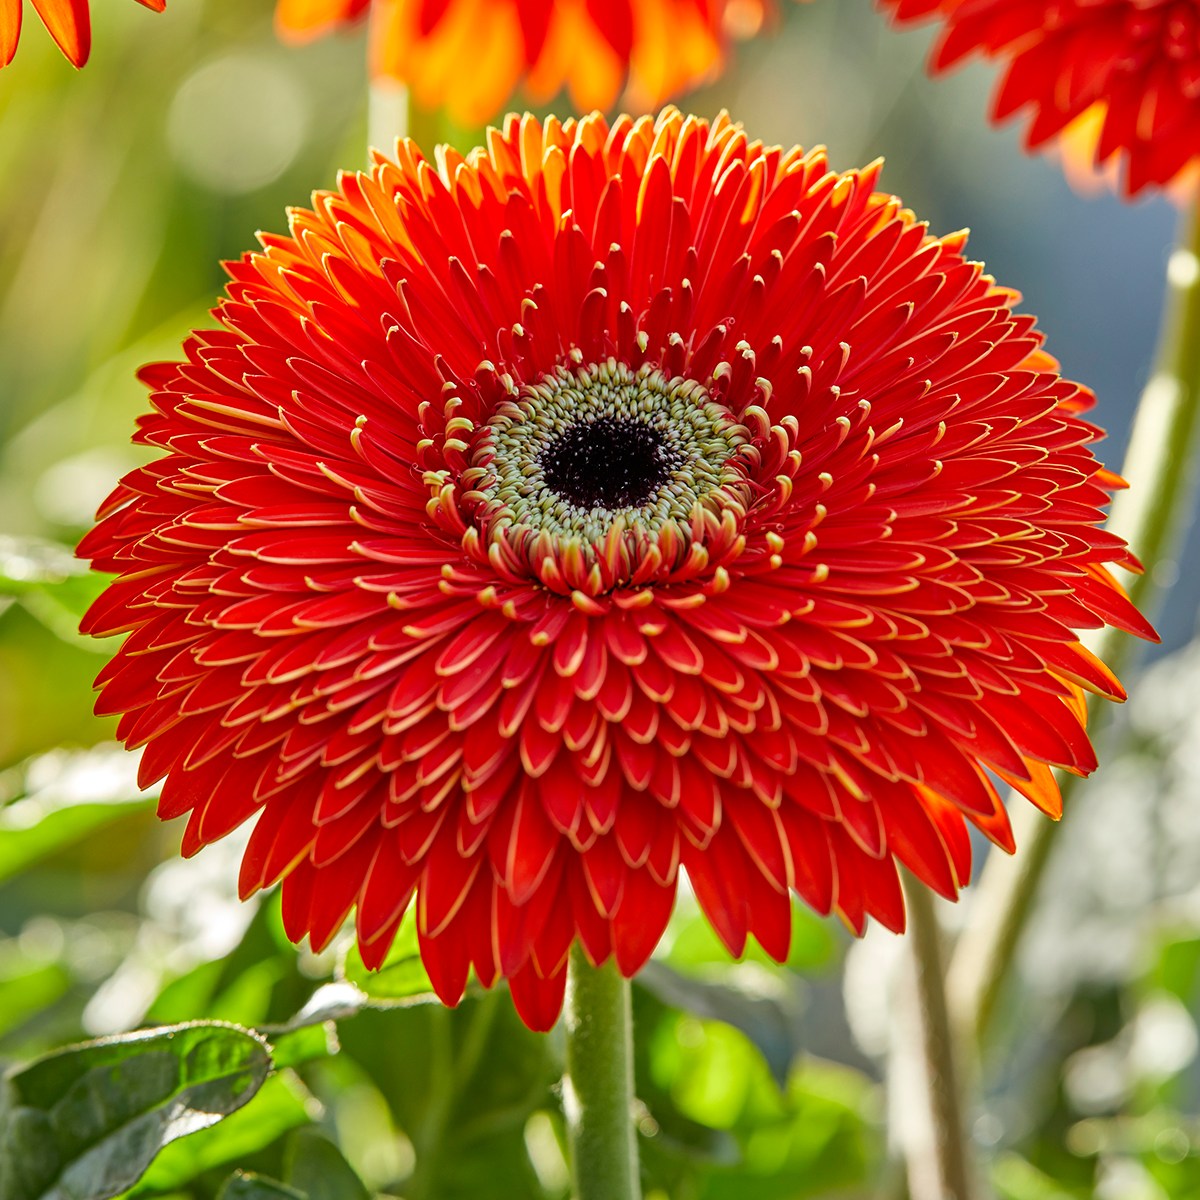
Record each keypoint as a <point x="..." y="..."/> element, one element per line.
<point x="470" y="55"/>
<point x="69" y="22"/>
<point x="1124" y="75"/>
<point x="613" y="500"/>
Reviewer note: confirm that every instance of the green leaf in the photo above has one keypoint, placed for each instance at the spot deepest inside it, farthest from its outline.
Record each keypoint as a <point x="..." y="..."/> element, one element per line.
<point x="55" y="800"/>
<point x="330" y="1002"/>
<point x="52" y="584"/>
<point x="28" y="988"/>
<point x="186" y="996"/>
<point x="21" y="848"/>
<point x="691" y="944"/>
<point x="311" y="1033"/>
<point x="401" y="980"/>
<point x="1177" y="969"/>
<point x="725" y="1130"/>
<point x="1016" y="1179"/>
<point x="244" y="1186"/>
<point x="304" y="1045"/>
<point x="256" y="982"/>
<point x="755" y="1002"/>
<point x="60" y="608"/>
<point x="281" y="1105"/>
<point x="85" y="1122"/>
<point x="461" y="1084"/>
<point x="317" y="1165"/>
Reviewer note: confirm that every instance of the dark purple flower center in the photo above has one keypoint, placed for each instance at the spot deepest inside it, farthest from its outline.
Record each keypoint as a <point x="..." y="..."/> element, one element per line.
<point x="610" y="462"/>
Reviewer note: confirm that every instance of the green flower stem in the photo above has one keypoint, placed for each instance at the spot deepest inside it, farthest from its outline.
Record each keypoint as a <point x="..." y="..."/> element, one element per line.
<point x="938" y="1047"/>
<point x="598" y="1085"/>
<point x="450" y="1076"/>
<point x="1152" y="516"/>
<point x="392" y="112"/>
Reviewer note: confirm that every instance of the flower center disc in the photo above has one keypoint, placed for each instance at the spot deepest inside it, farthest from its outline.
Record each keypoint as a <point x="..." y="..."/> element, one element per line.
<point x="608" y="462"/>
<point x="580" y="450"/>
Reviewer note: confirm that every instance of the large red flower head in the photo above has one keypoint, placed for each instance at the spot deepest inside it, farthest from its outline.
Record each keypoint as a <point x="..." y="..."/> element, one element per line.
<point x="613" y="500"/>
<point x="470" y="55"/>
<point x="1122" y="76"/>
<point x="69" y="23"/>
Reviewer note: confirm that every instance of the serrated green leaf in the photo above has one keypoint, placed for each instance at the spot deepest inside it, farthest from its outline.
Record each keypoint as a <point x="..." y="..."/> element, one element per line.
<point x="311" y="1033"/>
<point x="316" y="1164"/>
<point x="85" y="1122"/>
<point x="330" y="1002"/>
<point x="281" y="1105"/>
<point x="245" y="1186"/>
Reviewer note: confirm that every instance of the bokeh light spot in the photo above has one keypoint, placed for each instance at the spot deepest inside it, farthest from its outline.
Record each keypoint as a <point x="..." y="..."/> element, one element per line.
<point x="237" y="123"/>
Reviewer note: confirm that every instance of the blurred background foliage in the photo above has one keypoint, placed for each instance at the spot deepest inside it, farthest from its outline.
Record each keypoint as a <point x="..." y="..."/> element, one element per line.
<point x="122" y="187"/>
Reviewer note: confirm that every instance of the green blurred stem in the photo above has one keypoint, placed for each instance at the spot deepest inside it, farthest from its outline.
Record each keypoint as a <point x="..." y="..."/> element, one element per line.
<point x="393" y="113"/>
<point x="598" y="1085"/>
<point x="449" y="1077"/>
<point x="938" y="1048"/>
<point x="1152" y="516"/>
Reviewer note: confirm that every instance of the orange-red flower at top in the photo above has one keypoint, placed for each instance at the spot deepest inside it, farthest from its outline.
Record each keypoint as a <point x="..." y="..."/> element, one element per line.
<point x="611" y="501"/>
<point x="469" y="55"/>
<point x="1123" y="75"/>
<point x="69" y="22"/>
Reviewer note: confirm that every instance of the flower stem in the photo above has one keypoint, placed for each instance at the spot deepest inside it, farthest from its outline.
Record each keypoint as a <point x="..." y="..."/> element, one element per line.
<point x="392" y="112"/>
<point x="1160" y="467"/>
<point x="953" y="1171"/>
<point x="450" y="1077"/>
<point x="598" y="1085"/>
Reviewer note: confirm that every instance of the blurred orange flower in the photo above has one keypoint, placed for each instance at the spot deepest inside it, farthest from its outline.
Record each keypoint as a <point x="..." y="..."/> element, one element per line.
<point x="1117" y="79"/>
<point x="69" y="22"/>
<point x="470" y="55"/>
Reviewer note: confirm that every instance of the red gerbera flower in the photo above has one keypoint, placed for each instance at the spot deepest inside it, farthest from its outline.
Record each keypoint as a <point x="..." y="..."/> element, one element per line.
<point x="469" y="55"/>
<point x="611" y="500"/>
<point x="69" y="22"/>
<point x="1125" y="74"/>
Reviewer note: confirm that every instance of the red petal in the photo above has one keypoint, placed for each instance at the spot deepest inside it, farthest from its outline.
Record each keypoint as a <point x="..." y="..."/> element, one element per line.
<point x="811" y="854"/>
<point x="719" y="879"/>
<point x="448" y="963"/>
<point x="605" y="872"/>
<point x="445" y="882"/>
<point x="538" y="1001"/>
<point x="70" y="24"/>
<point x="640" y="920"/>
<point x="522" y="845"/>
<point x="10" y="35"/>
